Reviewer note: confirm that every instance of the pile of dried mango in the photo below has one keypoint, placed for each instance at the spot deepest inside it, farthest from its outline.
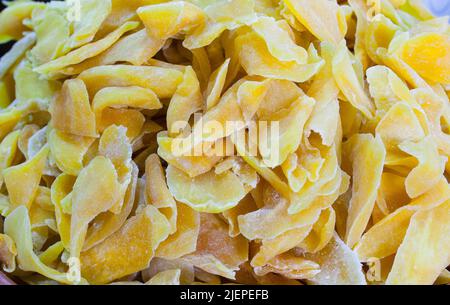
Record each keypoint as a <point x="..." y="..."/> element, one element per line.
<point x="92" y="190"/>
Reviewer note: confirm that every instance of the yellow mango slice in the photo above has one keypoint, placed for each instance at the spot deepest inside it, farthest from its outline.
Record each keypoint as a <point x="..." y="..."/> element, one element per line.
<point x="168" y="19"/>
<point x="186" y="101"/>
<point x="86" y="51"/>
<point x="279" y="41"/>
<point x="52" y="30"/>
<point x="11" y="57"/>
<point x="222" y="15"/>
<point x="289" y="266"/>
<point x="126" y="251"/>
<point x="430" y="169"/>
<point x="385" y="236"/>
<point x="92" y="14"/>
<point x="424" y="252"/>
<point x="270" y="248"/>
<point x="245" y="206"/>
<point x="97" y="183"/>
<point x="18" y="227"/>
<point x="168" y="277"/>
<point x="162" y="81"/>
<point x="259" y="224"/>
<point x="339" y="265"/>
<point x="23" y="180"/>
<point x="8" y="149"/>
<point x="206" y="193"/>
<point x="30" y="87"/>
<point x="322" y="18"/>
<point x="8" y="253"/>
<point x="61" y="188"/>
<point x="68" y="150"/>
<point x="217" y="252"/>
<point x="136" y="48"/>
<point x="216" y="84"/>
<point x="120" y="97"/>
<point x="363" y="150"/>
<point x="347" y="80"/>
<point x="191" y="165"/>
<point x="107" y="223"/>
<point x="257" y="60"/>
<point x="321" y="233"/>
<point x="184" y="240"/>
<point x="291" y="123"/>
<point x="156" y="190"/>
<point x="12" y="17"/>
<point x="429" y="55"/>
<point x="71" y="111"/>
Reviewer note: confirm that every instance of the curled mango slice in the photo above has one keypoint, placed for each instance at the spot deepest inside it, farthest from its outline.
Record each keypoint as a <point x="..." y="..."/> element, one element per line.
<point x="128" y="250"/>
<point x="208" y="192"/>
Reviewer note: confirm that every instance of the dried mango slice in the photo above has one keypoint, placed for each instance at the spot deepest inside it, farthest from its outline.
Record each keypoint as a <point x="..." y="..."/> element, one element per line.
<point x="208" y="192"/>
<point x="30" y="87"/>
<point x="400" y="113"/>
<point x="120" y="97"/>
<point x="52" y="30"/>
<point x="424" y="251"/>
<point x="71" y="111"/>
<point x="429" y="55"/>
<point x="126" y="251"/>
<point x="8" y="149"/>
<point x="392" y="193"/>
<point x="216" y="84"/>
<point x="167" y="277"/>
<point x="289" y="266"/>
<point x="61" y="188"/>
<point x="105" y="193"/>
<point x="321" y="233"/>
<point x="136" y="48"/>
<point x="186" y="101"/>
<point x="68" y="150"/>
<point x="184" y="240"/>
<point x="18" y="227"/>
<point x="256" y="59"/>
<point x="270" y="248"/>
<point x="387" y="88"/>
<point x="12" y="17"/>
<point x="92" y="14"/>
<point x="168" y="19"/>
<point x="291" y="124"/>
<point x="259" y="224"/>
<point x="158" y="265"/>
<point x="363" y="149"/>
<point x="115" y="146"/>
<point x="278" y="40"/>
<point x="157" y="192"/>
<point x="107" y="223"/>
<point x="8" y="253"/>
<point x="85" y="52"/>
<point x="339" y="265"/>
<point x="162" y="81"/>
<point x="245" y="206"/>
<point x="217" y="252"/>
<point x="322" y="18"/>
<point x="430" y="169"/>
<point x="191" y="165"/>
<point x="23" y="180"/>
<point x="8" y="60"/>
<point x="384" y="237"/>
<point x="349" y="83"/>
<point x="222" y="16"/>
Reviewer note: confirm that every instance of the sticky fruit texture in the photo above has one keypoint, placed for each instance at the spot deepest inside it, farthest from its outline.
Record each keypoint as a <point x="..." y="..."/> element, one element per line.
<point x="224" y="141"/>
